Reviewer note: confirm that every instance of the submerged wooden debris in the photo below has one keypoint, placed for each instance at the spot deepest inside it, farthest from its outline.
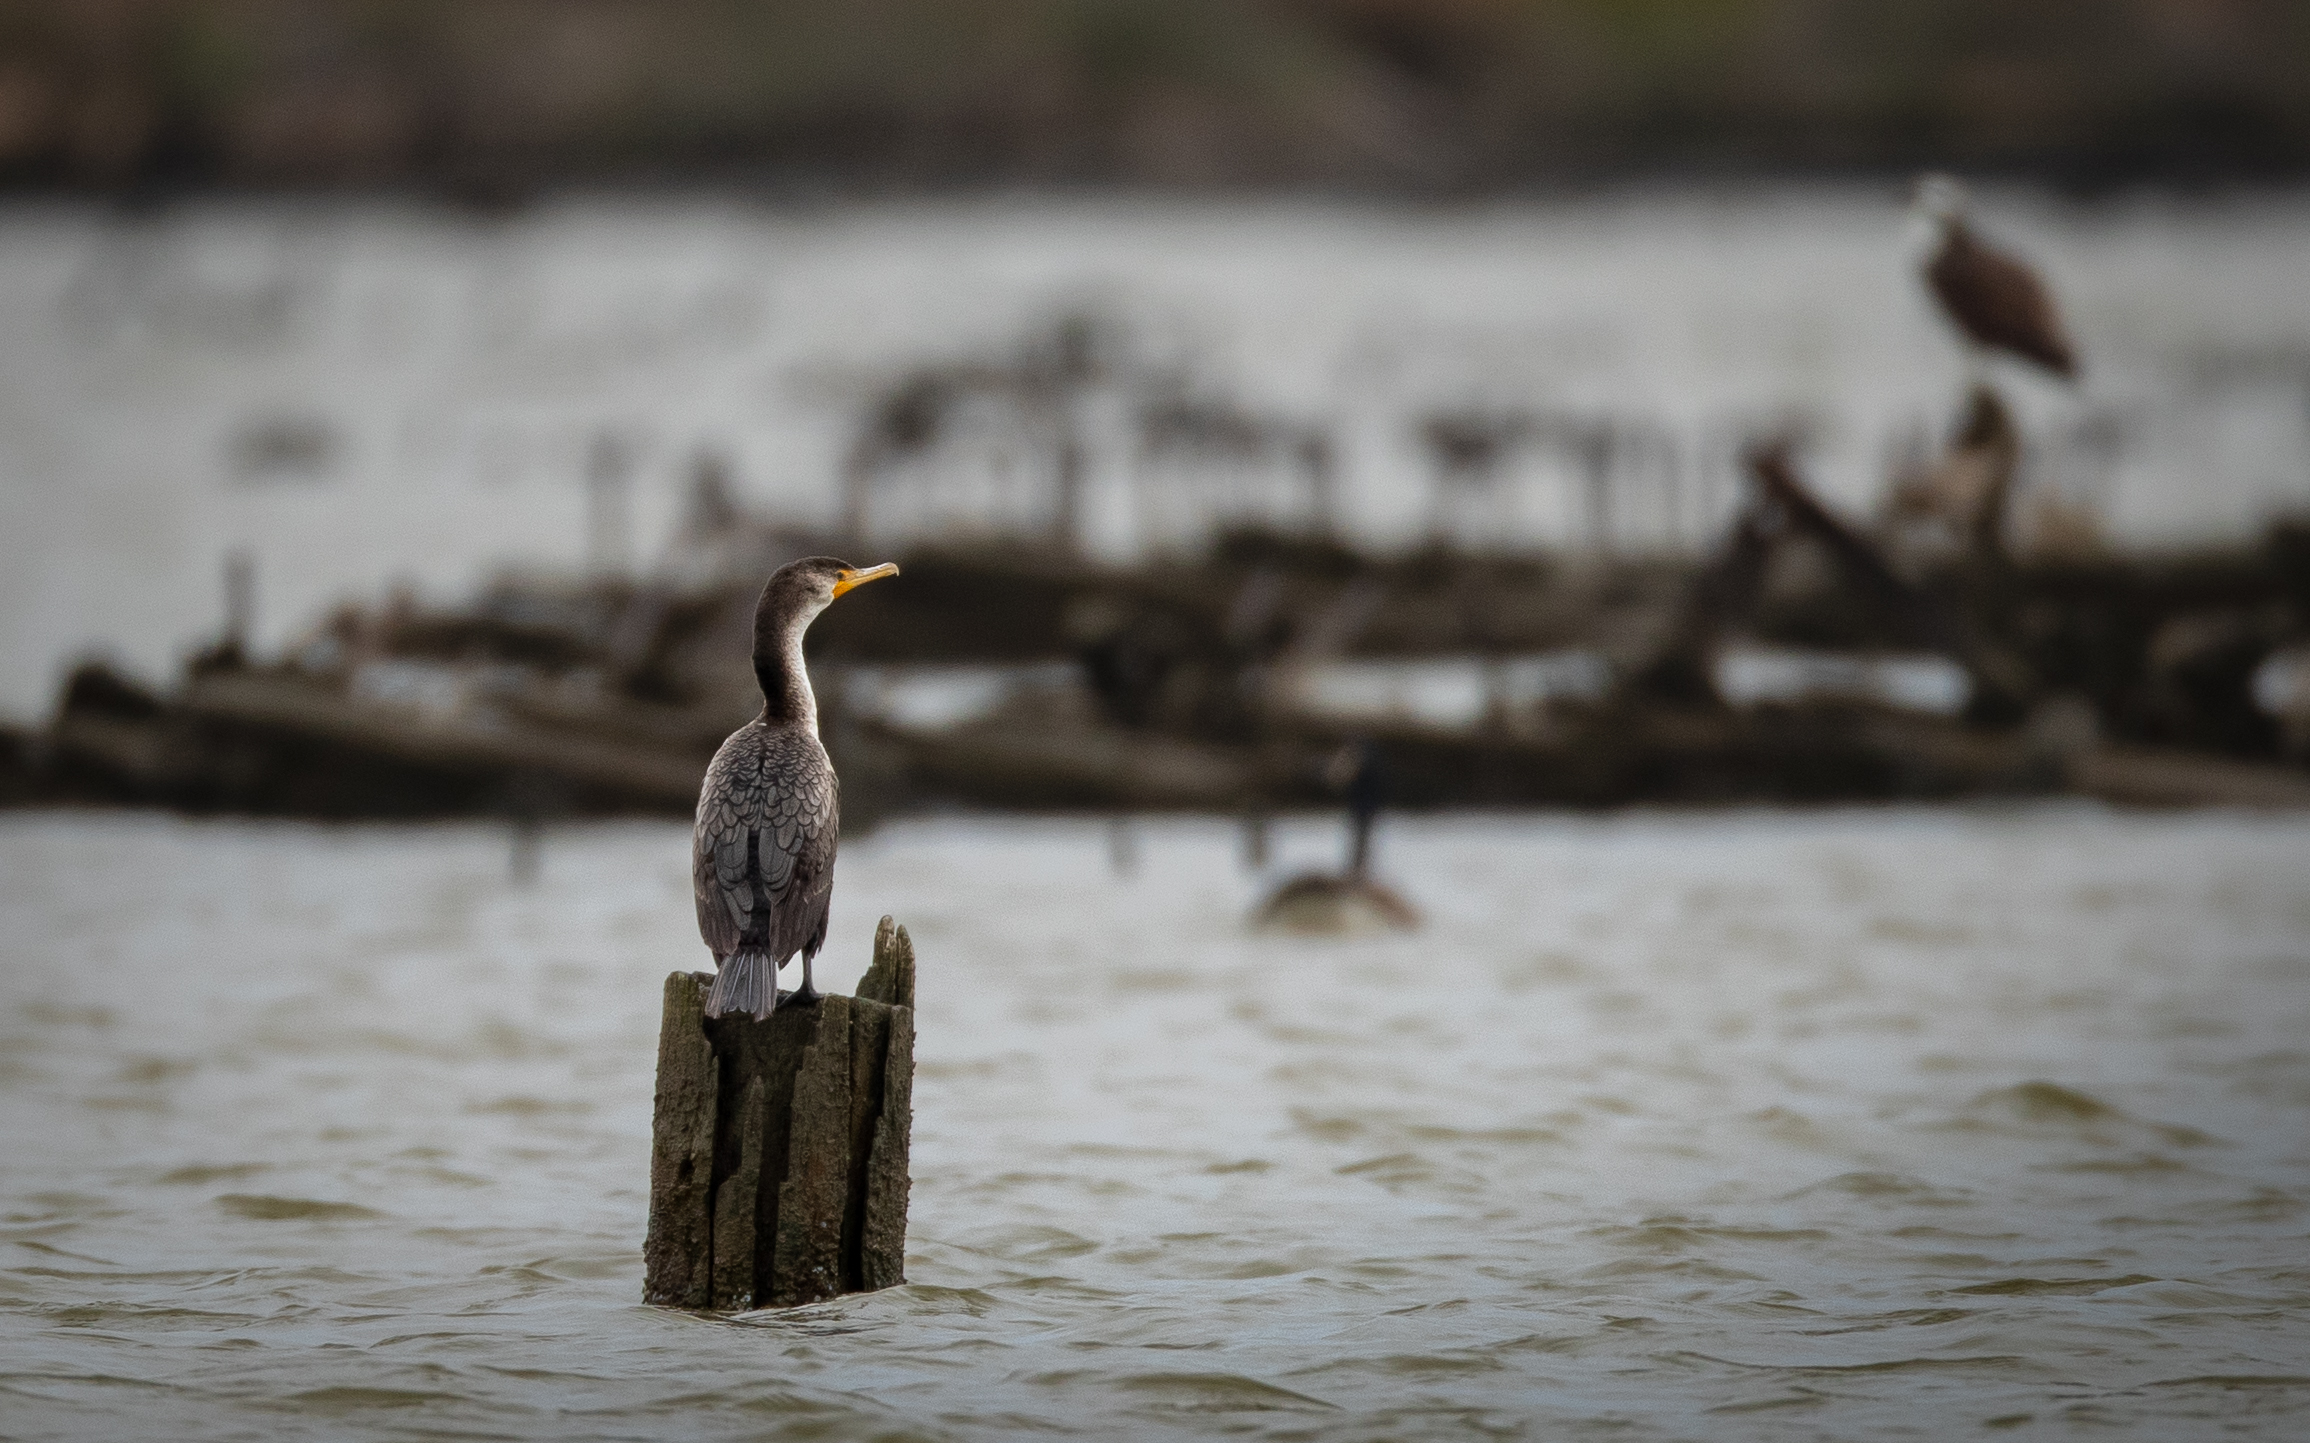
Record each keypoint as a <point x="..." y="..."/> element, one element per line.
<point x="1227" y="682"/>
<point x="778" y="1163"/>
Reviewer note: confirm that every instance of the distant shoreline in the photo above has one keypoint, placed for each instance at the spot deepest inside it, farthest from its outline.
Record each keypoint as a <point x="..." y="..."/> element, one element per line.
<point x="493" y="100"/>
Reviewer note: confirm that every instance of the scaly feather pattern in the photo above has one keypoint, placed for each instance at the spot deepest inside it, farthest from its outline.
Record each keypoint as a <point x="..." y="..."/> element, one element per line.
<point x="762" y="852"/>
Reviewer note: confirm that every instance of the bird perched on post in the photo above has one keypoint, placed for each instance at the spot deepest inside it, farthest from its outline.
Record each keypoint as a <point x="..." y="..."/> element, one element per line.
<point x="762" y="852"/>
<point x="1994" y="298"/>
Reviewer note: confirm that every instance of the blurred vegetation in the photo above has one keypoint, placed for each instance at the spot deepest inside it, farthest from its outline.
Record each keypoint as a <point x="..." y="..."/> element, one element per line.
<point x="1426" y="95"/>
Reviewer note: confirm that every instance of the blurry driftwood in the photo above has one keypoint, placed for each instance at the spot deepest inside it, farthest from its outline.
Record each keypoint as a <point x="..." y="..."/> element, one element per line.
<point x="1969" y="489"/>
<point x="1729" y="590"/>
<point x="1013" y="762"/>
<point x="1032" y="398"/>
<point x="650" y="777"/>
<point x="2167" y="777"/>
<point x="778" y="1163"/>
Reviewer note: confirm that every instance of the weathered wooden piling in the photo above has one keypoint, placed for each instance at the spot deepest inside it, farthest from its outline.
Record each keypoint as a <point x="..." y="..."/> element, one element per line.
<point x="778" y="1163"/>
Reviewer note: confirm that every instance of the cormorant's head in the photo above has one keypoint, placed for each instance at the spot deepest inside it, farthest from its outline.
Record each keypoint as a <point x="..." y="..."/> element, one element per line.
<point x="799" y="590"/>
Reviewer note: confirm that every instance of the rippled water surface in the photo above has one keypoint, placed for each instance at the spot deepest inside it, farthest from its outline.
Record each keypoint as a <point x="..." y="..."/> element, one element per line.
<point x="1912" y="1123"/>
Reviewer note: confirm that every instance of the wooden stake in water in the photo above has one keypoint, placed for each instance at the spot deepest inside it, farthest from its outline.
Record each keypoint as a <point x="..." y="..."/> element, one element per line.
<point x="1122" y="846"/>
<point x="528" y="846"/>
<point x="1255" y="836"/>
<point x="778" y="1162"/>
<point x="609" y="512"/>
<point x="240" y="603"/>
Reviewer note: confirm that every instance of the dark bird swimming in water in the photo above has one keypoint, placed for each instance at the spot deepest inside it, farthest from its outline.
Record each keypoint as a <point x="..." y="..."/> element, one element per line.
<point x="1994" y="298"/>
<point x="762" y="853"/>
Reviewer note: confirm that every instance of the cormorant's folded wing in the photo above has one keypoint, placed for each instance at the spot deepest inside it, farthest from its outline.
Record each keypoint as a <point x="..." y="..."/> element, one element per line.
<point x="753" y="823"/>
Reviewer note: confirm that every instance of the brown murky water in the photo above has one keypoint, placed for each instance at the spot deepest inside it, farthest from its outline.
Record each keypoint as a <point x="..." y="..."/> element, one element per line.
<point x="1903" y="1123"/>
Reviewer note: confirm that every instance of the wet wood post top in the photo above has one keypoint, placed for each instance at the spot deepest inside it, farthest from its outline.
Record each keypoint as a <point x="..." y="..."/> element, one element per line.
<point x="778" y="1161"/>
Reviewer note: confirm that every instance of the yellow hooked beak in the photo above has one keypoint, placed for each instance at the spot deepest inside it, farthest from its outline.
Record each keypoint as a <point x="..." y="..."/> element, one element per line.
<point x="856" y="578"/>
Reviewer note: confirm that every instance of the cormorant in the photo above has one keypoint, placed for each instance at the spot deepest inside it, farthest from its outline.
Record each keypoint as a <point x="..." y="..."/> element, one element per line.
<point x="762" y="852"/>
<point x="1995" y="298"/>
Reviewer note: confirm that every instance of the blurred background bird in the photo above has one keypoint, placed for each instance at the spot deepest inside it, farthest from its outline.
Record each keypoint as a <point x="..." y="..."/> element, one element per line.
<point x="1993" y="297"/>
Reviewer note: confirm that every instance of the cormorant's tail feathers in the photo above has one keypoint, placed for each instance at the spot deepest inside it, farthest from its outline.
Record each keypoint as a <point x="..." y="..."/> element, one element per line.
<point x="746" y="982"/>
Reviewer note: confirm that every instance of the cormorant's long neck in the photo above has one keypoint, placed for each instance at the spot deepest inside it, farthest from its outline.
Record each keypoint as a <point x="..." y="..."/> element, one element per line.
<point x="786" y="696"/>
